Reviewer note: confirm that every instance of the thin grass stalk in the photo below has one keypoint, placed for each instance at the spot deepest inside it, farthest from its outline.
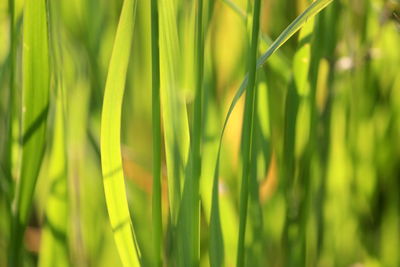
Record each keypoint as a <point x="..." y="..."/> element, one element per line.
<point x="7" y="165"/>
<point x="8" y="152"/>
<point x="248" y="129"/>
<point x="156" y="124"/>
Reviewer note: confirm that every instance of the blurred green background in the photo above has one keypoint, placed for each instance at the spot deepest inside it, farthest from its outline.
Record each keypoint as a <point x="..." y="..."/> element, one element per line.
<point x="328" y="175"/>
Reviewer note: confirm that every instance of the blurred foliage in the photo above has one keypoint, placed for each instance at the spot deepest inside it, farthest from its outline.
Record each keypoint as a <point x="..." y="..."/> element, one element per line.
<point x="327" y="191"/>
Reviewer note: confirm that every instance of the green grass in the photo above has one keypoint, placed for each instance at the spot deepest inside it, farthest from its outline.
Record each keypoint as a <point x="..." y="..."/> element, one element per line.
<point x="156" y="127"/>
<point x="35" y="101"/>
<point x="248" y="131"/>
<point x="113" y="176"/>
<point x="125" y="140"/>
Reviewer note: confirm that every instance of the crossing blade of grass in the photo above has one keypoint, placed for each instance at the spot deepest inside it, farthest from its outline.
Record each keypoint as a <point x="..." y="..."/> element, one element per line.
<point x="156" y="124"/>
<point x="248" y="131"/>
<point x="111" y="160"/>
<point x="310" y="12"/>
<point x="35" y="101"/>
<point x="279" y="60"/>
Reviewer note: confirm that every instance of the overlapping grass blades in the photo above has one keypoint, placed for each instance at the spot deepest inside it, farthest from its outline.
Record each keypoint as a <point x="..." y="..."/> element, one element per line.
<point x="310" y="12"/>
<point x="35" y="101"/>
<point x="111" y="160"/>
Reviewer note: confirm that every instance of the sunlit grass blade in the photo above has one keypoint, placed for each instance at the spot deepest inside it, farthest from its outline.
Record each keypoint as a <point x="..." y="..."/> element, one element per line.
<point x="156" y="124"/>
<point x="35" y="101"/>
<point x="111" y="160"/>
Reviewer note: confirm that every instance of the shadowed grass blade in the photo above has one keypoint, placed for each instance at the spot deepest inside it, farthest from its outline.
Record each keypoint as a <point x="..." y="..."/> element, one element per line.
<point x="35" y="101"/>
<point x="111" y="160"/>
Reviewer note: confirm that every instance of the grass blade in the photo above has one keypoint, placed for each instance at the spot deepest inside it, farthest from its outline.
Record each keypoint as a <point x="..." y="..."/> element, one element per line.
<point x="54" y="250"/>
<point x="156" y="124"/>
<point x="35" y="101"/>
<point x="189" y="214"/>
<point x="54" y="242"/>
<point x="248" y="131"/>
<point x="111" y="160"/>
<point x="174" y="115"/>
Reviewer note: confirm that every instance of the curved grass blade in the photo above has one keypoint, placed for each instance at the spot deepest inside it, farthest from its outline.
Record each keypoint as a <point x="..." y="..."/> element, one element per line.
<point x="156" y="124"/>
<point x="111" y="160"/>
<point x="35" y="101"/>
<point x="310" y="12"/>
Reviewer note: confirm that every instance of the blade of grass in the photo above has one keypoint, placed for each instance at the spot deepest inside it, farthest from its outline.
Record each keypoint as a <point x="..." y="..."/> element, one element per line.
<point x="12" y="114"/>
<point x="174" y="115"/>
<point x="247" y="132"/>
<point x="54" y="250"/>
<point x="54" y="243"/>
<point x="35" y="101"/>
<point x="189" y="216"/>
<point x="310" y="12"/>
<point x="113" y="177"/>
<point x="156" y="124"/>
